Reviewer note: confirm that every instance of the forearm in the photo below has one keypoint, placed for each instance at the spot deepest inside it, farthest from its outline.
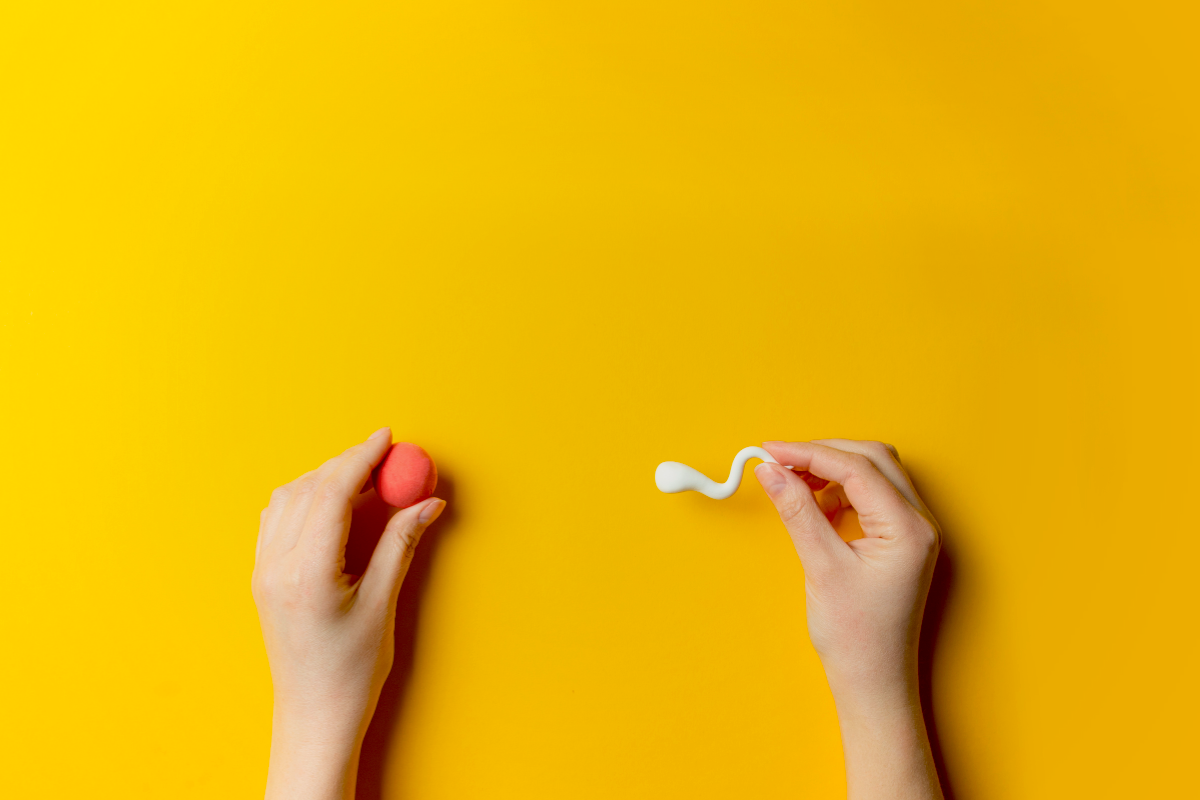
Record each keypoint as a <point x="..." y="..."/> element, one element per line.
<point x="885" y="744"/>
<point x="313" y="759"/>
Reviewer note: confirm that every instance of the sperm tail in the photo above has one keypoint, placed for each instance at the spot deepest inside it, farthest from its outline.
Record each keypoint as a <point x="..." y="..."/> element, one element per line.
<point x="739" y="464"/>
<point x="671" y="476"/>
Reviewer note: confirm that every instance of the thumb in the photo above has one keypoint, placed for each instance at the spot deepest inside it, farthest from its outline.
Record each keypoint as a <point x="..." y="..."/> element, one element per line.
<point x="817" y="543"/>
<point x="395" y="550"/>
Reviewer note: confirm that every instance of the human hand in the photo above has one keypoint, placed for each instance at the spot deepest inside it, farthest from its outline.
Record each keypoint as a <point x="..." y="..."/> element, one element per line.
<point x="864" y="601"/>
<point x="329" y="635"/>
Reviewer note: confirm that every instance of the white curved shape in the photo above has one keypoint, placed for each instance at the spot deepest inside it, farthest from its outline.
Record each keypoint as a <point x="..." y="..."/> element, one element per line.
<point x="672" y="477"/>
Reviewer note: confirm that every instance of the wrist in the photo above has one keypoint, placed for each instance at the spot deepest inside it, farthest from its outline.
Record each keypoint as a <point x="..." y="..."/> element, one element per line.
<point x="337" y="702"/>
<point x="316" y="738"/>
<point x="872" y="684"/>
<point x="314" y="756"/>
<point x="316" y="728"/>
<point x="884" y="740"/>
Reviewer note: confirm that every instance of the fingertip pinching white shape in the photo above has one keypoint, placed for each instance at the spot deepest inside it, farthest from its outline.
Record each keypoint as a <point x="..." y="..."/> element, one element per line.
<point x="672" y="477"/>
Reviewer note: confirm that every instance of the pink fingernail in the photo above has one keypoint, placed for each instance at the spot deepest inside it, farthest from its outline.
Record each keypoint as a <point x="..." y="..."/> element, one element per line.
<point x="386" y="429"/>
<point x="431" y="511"/>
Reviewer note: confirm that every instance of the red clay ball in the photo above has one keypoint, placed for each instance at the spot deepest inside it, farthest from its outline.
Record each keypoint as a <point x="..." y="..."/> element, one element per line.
<point x="406" y="476"/>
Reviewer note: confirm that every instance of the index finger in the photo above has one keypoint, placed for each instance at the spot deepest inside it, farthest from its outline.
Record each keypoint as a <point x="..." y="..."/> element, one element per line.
<point x="328" y="521"/>
<point x="887" y="461"/>
<point x="868" y="490"/>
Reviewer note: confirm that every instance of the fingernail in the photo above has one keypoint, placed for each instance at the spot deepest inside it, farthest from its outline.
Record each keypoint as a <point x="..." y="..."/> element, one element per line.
<point x="431" y="511"/>
<point x="384" y="431"/>
<point x="774" y="441"/>
<point x="772" y="482"/>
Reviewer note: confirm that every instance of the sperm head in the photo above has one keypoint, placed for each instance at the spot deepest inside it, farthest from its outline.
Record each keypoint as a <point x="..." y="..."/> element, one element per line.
<point x="671" y="477"/>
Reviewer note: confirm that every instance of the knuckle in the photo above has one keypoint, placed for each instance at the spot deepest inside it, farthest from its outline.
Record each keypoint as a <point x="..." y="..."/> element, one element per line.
<point x="927" y="535"/>
<point x="793" y="512"/>
<point x="261" y="587"/>
<point x="858" y="463"/>
<point x="405" y="538"/>
<point x="305" y="484"/>
<point x="789" y="511"/>
<point x="879" y="449"/>
<point x="408" y="544"/>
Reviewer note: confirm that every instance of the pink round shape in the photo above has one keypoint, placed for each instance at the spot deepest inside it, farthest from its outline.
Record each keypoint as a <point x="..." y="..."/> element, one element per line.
<point x="406" y="476"/>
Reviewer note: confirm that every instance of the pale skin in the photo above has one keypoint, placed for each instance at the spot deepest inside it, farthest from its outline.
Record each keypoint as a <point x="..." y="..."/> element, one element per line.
<point x="329" y="635"/>
<point x="864" y="601"/>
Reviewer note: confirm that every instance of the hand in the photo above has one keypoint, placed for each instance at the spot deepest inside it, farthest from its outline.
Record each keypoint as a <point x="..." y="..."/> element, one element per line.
<point x="329" y="635"/>
<point x="864" y="602"/>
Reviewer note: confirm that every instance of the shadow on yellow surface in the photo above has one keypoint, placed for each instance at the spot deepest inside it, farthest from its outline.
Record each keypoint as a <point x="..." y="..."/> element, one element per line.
<point x="931" y="626"/>
<point x="936" y="605"/>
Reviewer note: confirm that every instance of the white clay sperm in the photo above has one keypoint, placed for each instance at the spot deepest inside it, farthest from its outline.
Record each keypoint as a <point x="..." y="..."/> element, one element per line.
<point x="672" y="477"/>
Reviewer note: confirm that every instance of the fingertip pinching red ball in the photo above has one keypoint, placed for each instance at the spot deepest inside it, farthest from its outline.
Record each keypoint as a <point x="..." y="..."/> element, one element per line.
<point x="405" y="476"/>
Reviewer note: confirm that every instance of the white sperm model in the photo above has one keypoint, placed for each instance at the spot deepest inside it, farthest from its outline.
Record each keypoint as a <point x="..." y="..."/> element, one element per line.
<point x="672" y="477"/>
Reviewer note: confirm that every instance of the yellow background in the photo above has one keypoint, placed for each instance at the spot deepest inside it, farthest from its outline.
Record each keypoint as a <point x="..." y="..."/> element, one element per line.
<point x="557" y="243"/>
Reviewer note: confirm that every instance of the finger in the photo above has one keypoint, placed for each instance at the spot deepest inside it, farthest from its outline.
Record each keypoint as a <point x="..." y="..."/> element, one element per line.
<point x="816" y="541"/>
<point x="295" y="511"/>
<point x="872" y="495"/>
<point x="832" y="499"/>
<point x="268" y="522"/>
<point x="302" y="497"/>
<point x="885" y="459"/>
<point x="394" y="552"/>
<point x="328" y="522"/>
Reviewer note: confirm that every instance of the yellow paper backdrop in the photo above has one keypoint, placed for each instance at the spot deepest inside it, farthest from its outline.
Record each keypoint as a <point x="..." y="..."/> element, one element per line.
<point x="557" y="243"/>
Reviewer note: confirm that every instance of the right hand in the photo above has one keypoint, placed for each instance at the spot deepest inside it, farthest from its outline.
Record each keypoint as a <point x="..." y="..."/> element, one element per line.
<point x="866" y="596"/>
<point x="865" y="600"/>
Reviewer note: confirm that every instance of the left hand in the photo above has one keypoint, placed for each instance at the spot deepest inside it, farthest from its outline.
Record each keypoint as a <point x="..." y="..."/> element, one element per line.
<point x="329" y="635"/>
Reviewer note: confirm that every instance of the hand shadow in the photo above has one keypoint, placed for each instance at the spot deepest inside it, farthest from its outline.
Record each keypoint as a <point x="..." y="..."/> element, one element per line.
<point x="370" y="517"/>
<point x="931" y="626"/>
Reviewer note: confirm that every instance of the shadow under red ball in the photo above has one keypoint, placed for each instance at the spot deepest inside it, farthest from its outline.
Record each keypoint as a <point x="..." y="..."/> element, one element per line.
<point x="405" y="476"/>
